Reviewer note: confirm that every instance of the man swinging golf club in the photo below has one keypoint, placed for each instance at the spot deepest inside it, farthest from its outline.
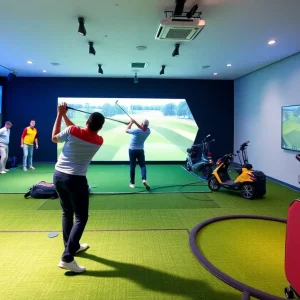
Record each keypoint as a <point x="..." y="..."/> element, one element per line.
<point x="136" y="150"/>
<point x="80" y="146"/>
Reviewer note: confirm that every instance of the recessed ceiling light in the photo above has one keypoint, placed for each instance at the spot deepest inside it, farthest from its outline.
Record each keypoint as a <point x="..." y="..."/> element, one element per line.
<point x="29" y="62"/>
<point x="44" y="71"/>
<point x="228" y="65"/>
<point x="271" y="42"/>
<point x="215" y="74"/>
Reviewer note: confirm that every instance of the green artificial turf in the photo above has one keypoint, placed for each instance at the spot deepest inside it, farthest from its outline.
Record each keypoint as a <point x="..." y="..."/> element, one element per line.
<point x="140" y="245"/>
<point x="250" y="251"/>
<point x="110" y="179"/>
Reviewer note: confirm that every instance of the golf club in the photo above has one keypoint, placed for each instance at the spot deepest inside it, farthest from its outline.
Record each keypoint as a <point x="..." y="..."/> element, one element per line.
<point x="123" y="122"/>
<point x="123" y="109"/>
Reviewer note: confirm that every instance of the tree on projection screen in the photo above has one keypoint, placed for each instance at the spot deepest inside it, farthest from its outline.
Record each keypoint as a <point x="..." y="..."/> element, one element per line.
<point x="290" y="127"/>
<point x="173" y="128"/>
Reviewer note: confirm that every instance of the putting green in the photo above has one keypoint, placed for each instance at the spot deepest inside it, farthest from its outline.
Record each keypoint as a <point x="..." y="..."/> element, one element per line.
<point x="248" y="250"/>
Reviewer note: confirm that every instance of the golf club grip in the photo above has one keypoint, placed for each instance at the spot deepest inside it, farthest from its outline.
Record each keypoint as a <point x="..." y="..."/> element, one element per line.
<point x="123" y="122"/>
<point x="68" y="107"/>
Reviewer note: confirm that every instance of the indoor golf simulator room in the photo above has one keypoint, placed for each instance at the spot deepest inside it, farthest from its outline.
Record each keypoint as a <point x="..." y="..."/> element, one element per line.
<point x="153" y="157"/>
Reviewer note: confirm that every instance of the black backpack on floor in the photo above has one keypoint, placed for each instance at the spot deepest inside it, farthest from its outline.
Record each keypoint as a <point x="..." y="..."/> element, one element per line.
<point x="42" y="190"/>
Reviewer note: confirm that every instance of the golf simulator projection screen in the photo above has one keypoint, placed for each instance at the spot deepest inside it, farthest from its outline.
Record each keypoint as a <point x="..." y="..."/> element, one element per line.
<point x="0" y="105"/>
<point x="173" y="128"/>
<point x="290" y="128"/>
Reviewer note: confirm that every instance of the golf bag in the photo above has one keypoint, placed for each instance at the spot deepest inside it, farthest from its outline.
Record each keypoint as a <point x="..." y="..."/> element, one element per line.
<point x="12" y="162"/>
<point x="42" y="190"/>
<point x="292" y="246"/>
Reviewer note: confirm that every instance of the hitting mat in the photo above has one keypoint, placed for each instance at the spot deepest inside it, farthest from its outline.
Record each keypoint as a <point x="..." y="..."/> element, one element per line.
<point x="250" y="251"/>
<point x="111" y="179"/>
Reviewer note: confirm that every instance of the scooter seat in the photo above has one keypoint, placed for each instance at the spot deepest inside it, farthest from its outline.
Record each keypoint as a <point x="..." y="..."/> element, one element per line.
<point x="248" y="166"/>
<point x="239" y="170"/>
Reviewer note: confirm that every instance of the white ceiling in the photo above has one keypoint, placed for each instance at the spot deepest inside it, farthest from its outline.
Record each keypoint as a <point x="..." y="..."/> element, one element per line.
<point x="236" y="32"/>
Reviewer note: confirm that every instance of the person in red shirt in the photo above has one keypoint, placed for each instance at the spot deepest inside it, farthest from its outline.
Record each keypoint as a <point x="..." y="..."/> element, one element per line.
<point x="28" y="138"/>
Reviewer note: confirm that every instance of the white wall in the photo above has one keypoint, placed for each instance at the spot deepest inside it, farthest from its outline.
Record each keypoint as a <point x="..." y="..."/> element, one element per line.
<point x="257" y="112"/>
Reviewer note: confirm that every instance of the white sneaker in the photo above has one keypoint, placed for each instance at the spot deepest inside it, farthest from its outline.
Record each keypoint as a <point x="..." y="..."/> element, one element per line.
<point x="83" y="247"/>
<point x="132" y="185"/>
<point x="6" y="170"/>
<point x="2" y="172"/>
<point x="146" y="185"/>
<point x="72" y="266"/>
<point x="24" y="169"/>
<point x="31" y="168"/>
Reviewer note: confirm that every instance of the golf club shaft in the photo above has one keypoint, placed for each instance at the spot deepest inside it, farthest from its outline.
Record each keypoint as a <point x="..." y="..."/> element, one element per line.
<point x="123" y="109"/>
<point x="123" y="122"/>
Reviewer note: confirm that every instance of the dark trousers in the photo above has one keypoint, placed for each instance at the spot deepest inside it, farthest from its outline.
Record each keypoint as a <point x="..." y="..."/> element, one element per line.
<point x="73" y="193"/>
<point x="137" y="155"/>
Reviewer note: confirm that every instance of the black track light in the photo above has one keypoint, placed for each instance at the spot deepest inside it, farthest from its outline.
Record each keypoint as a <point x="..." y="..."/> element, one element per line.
<point x="92" y="49"/>
<point x="100" y="69"/>
<point x="162" y="70"/>
<point x="179" y="7"/>
<point x="176" y="50"/>
<point x="192" y="11"/>
<point x="135" y="80"/>
<point x="81" y="28"/>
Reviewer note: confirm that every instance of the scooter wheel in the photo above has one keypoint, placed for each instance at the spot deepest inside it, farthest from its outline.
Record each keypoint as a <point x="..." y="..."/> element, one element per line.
<point x="213" y="184"/>
<point x="289" y="293"/>
<point x="248" y="191"/>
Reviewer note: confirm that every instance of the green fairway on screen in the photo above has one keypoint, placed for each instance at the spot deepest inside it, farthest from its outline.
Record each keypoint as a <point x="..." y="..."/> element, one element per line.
<point x="290" y="136"/>
<point x="173" y="128"/>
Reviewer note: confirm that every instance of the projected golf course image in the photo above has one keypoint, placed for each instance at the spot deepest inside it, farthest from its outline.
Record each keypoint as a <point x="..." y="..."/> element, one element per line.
<point x="173" y="128"/>
<point x="291" y="127"/>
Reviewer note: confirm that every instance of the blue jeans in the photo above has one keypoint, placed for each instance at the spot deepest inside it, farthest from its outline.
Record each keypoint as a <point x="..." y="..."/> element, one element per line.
<point x="137" y="155"/>
<point x="73" y="194"/>
<point x="27" y="154"/>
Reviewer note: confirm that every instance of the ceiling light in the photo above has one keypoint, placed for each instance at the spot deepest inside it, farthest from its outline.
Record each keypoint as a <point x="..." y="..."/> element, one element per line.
<point x="81" y="28"/>
<point x="215" y="74"/>
<point x="162" y="70"/>
<point x="92" y="49"/>
<point x="179" y="7"/>
<point x="29" y="62"/>
<point x="141" y="47"/>
<point x="100" y="69"/>
<point x="176" y="50"/>
<point x="271" y="42"/>
<point x="44" y="71"/>
<point x="228" y="65"/>
<point x="190" y="14"/>
<point x="135" y="80"/>
<point x="55" y="64"/>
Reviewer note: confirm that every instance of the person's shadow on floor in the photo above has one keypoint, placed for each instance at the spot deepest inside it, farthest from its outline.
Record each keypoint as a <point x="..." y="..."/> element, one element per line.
<point x="157" y="280"/>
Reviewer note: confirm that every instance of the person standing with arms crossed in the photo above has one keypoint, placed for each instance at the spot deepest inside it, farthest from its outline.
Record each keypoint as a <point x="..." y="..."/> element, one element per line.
<point x="136" y="150"/>
<point x="4" y="142"/>
<point x="69" y="178"/>
<point x="28" y="138"/>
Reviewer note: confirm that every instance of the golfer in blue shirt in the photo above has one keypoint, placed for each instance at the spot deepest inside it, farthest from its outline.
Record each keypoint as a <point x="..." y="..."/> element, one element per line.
<point x="136" y="150"/>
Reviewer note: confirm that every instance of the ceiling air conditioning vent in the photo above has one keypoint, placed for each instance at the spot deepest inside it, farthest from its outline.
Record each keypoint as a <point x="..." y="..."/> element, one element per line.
<point x="179" y="30"/>
<point x="139" y="65"/>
